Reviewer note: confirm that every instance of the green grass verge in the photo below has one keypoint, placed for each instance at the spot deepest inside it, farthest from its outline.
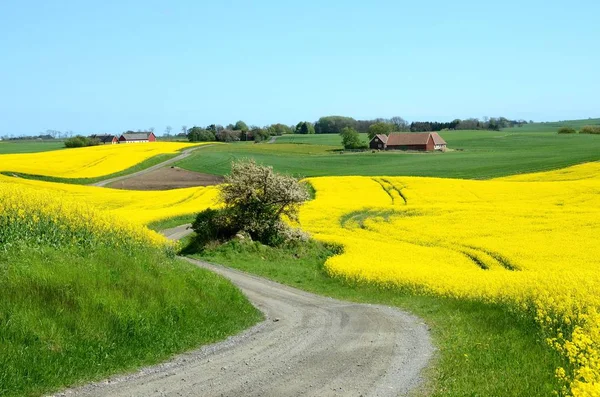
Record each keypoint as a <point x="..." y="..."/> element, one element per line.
<point x="475" y="155"/>
<point x="12" y="147"/>
<point x="67" y="316"/>
<point x="484" y="350"/>
<point x="86" y="181"/>
<point x="169" y="223"/>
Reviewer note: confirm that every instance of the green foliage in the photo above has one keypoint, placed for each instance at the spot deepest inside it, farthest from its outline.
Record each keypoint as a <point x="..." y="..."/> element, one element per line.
<point x="259" y="134"/>
<point x="69" y="316"/>
<point x="351" y="139"/>
<point x="305" y="128"/>
<point x="81" y="141"/>
<point x="215" y="225"/>
<point x="380" y="128"/>
<point x="567" y="130"/>
<point x="255" y="198"/>
<point x="590" y="129"/>
<point x="483" y="350"/>
<point x="241" y="126"/>
<point x="197" y="134"/>
<point x="279" y="129"/>
<point x="334" y="124"/>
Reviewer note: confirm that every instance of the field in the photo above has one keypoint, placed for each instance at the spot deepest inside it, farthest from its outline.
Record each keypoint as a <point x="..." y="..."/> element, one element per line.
<point x="87" y="294"/>
<point x="29" y="146"/>
<point x="89" y="162"/>
<point x="555" y="125"/>
<point x="503" y="237"/>
<point x="475" y="155"/>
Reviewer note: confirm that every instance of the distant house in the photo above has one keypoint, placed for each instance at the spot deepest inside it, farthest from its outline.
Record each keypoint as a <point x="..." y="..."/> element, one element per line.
<point x="105" y="138"/>
<point x="422" y="141"/>
<point x="137" y="137"/>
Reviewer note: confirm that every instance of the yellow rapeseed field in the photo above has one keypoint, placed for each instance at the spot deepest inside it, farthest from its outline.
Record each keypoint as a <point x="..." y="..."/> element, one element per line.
<point x="528" y="241"/>
<point x="139" y="207"/>
<point x="87" y="162"/>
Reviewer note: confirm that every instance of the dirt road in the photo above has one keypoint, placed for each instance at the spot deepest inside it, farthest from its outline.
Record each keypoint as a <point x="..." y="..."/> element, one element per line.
<point x="308" y="346"/>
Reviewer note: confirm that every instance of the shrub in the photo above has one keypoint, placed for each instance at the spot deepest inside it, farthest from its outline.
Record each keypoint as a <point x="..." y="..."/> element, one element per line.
<point x="590" y="129"/>
<point x="81" y="141"/>
<point x="351" y="139"/>
<point x="567" y="130"/>
<point x="214" y="225"/>
<point x="255" y="199"/>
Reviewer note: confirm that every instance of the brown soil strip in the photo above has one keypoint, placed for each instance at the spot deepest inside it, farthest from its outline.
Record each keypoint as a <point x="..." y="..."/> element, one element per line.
<point x="166" y="179"/>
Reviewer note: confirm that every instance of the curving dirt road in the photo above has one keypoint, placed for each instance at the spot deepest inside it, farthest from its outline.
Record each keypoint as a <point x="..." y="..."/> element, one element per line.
<point x="308" y="345"/>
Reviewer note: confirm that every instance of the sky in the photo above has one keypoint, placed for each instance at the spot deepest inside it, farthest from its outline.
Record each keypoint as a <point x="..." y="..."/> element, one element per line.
<point x="111" y="66"/>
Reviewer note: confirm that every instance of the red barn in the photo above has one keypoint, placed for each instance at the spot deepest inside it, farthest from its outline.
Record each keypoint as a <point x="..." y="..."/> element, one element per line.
<point x="137" y="137"/>
<point x="422" y="141"/>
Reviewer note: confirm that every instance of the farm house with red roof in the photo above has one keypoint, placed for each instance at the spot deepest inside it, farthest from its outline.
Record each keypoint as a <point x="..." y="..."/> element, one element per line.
<point x="422" y="141"/>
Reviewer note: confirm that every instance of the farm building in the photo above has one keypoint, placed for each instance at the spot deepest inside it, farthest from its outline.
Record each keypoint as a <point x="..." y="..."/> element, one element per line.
<point x="137" y="137"/>
<point x="422" y="141"/>
<point x="106" y="138"/>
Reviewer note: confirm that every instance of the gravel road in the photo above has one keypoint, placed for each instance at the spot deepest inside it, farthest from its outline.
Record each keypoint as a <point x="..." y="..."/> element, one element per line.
<point x="308" y="345"/>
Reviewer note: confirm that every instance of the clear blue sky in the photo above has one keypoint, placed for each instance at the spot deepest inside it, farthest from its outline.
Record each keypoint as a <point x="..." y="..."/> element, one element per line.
<point x="109" y="66"/>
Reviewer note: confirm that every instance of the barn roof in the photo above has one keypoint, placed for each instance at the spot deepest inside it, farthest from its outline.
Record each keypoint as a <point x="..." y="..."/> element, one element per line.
<point x="437" y="139"/>
<point x="103" y="137"/>
<point x="382" y="137"/>
<point x="415" y="138"/>
<point x="419" y="138"/>
<point x="138" y="136"/>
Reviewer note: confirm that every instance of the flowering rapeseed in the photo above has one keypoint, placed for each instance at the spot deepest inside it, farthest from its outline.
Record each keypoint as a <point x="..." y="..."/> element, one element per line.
<point x="526" y="241"/>
<point x="87" y="162"/>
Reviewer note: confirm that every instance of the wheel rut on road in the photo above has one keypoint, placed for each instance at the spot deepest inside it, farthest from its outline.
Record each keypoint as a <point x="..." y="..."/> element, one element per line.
<point x="308" y="345"/>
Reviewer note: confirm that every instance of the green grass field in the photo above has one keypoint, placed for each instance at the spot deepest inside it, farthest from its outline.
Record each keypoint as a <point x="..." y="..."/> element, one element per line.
<point x="472" y="155"/>
<point x="68" y="317"/>
<point x="484" y="350"/>
<point x="8" y="147"/>
<point x="553" y="126"/>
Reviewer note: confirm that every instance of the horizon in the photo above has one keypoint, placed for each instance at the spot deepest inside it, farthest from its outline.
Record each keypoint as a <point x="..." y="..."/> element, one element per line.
<point x="112" y="67"/>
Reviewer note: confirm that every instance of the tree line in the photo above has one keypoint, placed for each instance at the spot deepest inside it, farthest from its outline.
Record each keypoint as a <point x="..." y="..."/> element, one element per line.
<point x="240" y="131"/>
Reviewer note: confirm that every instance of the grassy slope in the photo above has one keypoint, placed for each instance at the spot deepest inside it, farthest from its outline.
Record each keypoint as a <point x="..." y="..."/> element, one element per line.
<point x="553" y="126"/>
<point x="169" y="223"/>
<point x="484" y="350"/>
<point x="482" y="154"/>
<point x="9" y="147"/>
<point x="68" y="316"/>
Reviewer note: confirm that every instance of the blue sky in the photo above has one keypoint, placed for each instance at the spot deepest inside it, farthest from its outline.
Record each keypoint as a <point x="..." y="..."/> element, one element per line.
<point x="109" y="66"/>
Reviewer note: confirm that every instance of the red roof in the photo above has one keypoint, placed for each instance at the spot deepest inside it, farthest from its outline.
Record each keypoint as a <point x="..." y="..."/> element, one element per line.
<point x="437" y="139"/>
<point x="382" y="137"/>
<point x="416" y="138"/>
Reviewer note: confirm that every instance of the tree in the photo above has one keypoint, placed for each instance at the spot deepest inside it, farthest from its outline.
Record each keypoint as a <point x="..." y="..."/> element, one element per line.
<point x="228" y="135"/>
<point x="184" y="129"/>
<point x="399" y="123"/>
<point x="334" y="124"/>
<point x="241" y="126"/>
<point x="305" y="127"/>
<point x="168" y="130"/>
<point x="351" y="139"/>
<point x="380" y="128"/>
<point x="197" y="134"/>
<point x="279" y="129"/>
<point x="151" y="129"/>
<point x="254" y="199"/>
